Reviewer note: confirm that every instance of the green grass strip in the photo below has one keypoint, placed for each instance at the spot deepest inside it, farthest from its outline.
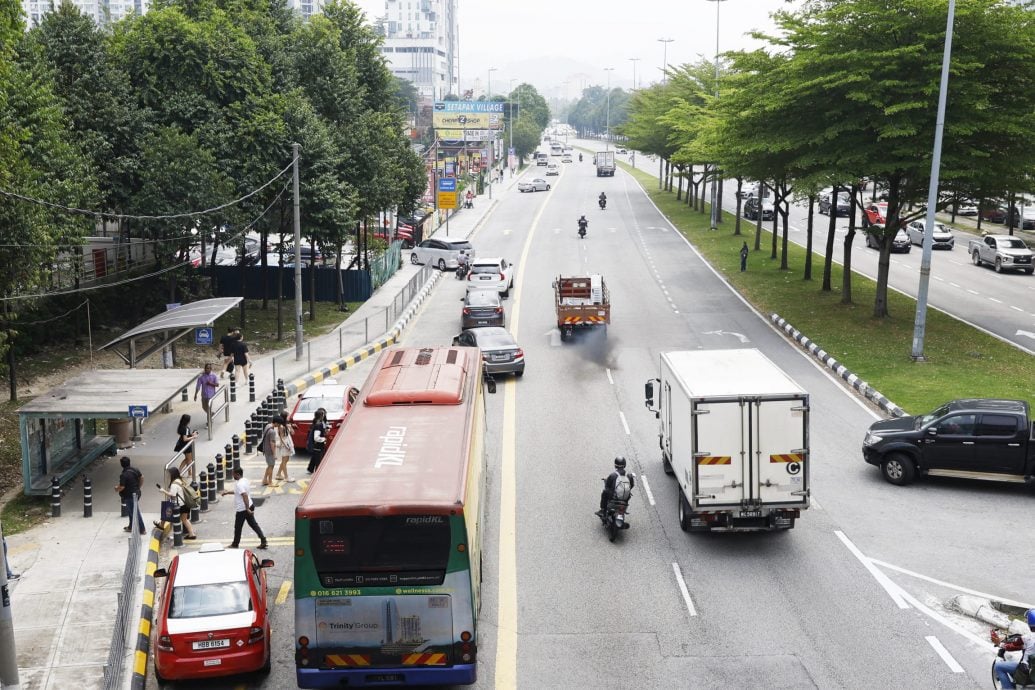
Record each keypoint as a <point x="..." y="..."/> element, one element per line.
<point x="961" y="361"/>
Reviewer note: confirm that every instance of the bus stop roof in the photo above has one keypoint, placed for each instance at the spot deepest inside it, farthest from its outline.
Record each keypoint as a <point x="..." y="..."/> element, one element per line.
<point x="172" y="325"/>
<point x="108" y="393"/>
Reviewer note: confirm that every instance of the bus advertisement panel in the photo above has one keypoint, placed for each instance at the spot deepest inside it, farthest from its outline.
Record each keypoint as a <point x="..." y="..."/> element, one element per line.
<point x="387" y="535"/>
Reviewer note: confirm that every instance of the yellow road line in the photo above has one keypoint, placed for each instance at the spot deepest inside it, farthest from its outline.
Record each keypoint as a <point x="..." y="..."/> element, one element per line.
<point x="507" y="611"/>
<point x="282" y="593"/>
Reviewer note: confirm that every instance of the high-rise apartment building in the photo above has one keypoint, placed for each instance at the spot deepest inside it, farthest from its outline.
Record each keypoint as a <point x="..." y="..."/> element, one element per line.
<point x="306" y="8"/>
<point x="422" y="44"/>
<point x="101" y="11"/>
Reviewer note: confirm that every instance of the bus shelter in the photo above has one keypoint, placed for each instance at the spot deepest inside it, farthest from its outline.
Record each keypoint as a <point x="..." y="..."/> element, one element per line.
<point x="59" y="431"/>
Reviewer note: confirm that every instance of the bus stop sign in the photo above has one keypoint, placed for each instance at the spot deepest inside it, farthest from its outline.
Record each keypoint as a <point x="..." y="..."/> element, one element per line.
<point x="138" y="411"/>
<point x="203" y="336"/>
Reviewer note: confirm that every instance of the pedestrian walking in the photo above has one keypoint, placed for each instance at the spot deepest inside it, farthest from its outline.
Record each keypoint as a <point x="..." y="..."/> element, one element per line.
<point x="11" y="575"/>
<point x="317" y="442"/>
<point x="269" y="445"/>
<point x="130" y="482"/>
<point x="177" y="493"/>
<point x="744" y="257"/>
<point x="242" y="360"/>
<point x="207" y="385"/>
<point x="285" y="449"/>
<point x="226" y="347"/>
<point x="244" y="510"/>
<point x="185" y="437"/>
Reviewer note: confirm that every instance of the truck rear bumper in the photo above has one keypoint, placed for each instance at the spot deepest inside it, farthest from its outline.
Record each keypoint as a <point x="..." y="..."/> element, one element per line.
<point x="738" y="521"/>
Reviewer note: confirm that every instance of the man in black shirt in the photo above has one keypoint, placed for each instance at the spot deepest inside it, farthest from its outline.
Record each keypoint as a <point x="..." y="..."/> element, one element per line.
<point x="241" y="360"/>
<point x="226" y="347"/>
<point x="128" y="487"/>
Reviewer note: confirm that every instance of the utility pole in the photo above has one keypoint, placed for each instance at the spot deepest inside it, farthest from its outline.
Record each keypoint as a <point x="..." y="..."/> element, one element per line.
<point x="634" y="61"/>
<point x="607" y="126"/>
<point x="715" y="170"/>
<point x="664" y="62"/>
<point x="8" y="651"/>
<point x="492" y="133"/>
<point x="296" y="153"/>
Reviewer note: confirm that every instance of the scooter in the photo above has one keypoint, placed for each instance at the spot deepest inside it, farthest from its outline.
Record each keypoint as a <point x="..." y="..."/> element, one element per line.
<point x="603" y="203"/>
<point x="1008" y="643"/>
<point x="582" y="231"/>
<point x="580" y="158"/>
<point x="614" y="515"/>
<point x="462" y="270"/>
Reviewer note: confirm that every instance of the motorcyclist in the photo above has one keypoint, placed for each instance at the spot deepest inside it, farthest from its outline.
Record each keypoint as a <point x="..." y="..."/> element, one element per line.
<point x="602" y="199"/>
<point x="1005" y="669"/>
<point x="580" y="158"/>
<point x="463" y="264"/>
<point x="609" y="485"/>
<point x="469" y="199"/>
<point x="583" y="225"/>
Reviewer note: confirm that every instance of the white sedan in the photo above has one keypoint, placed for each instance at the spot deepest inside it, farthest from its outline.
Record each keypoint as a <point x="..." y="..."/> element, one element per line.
<point x="491" y="274"/>
<point x="538" y="184"/>
<point x="553" y="169"/>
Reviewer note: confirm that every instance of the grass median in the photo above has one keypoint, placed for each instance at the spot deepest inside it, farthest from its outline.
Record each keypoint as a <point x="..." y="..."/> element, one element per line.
<point x="961" y="361"/>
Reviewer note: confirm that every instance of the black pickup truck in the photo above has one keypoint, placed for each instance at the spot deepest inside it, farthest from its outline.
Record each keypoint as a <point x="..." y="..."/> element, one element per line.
<point x="974" y="438"/>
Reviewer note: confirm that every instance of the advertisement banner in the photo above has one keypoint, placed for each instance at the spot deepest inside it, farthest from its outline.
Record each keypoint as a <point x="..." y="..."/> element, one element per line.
<point x="443" y="120"/>
<point x="469" y="106"/>
<point x="475" y="135"/>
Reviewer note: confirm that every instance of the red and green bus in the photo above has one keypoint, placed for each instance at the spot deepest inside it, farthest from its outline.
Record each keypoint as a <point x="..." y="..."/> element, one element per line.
<point x="388" y="533"/>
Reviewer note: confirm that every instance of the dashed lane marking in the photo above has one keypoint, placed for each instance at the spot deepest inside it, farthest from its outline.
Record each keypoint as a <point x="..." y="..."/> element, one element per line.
<point x="997" y="301"/>
<point x="282" y="593"/>
<point x="683" y="590"/>
<point x="610" y="379"/>
<point x="953" y="665"/>
<point x="646" y="489"/>
<point x="625" y="424"/>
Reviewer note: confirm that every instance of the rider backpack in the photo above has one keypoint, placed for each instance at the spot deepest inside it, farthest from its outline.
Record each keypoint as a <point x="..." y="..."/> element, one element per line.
<point x="623" y="488"/>
<point x="190" y="496"/>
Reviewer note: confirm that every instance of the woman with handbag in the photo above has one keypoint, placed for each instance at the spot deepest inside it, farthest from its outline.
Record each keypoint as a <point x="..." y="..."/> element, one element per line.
<point x="185" y="437"/>
<point x="177" y="496"/>
<point x="285" y="449"/>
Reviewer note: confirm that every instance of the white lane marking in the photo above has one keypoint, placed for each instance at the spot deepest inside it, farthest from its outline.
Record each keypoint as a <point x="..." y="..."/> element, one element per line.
<point x="973" y="292"/>
<point x="953" y="665"/>
<point x="1016" y="308"/>
<point x="958" y="263"/>
<point x="507" y="231"/>
<point x="609" y="379"/>
<point x="646" y="488"/>
<point x="941" y="279"/>
<point x="953" y="284"/>
<point x="625" y="424"/>
<point x="943" y="583"/>
<point x="890" y="587"/>
<point x="814" y="503"/>
<point x="997" y="301"/>
<point x="684" y="591"/>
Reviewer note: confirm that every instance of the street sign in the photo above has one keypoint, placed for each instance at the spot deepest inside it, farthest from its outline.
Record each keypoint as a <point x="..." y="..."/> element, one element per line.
<point x="203" y="336"/>
<point x="138" y="411"/>
<point x="447" y="200"/>
<point x="447" y="184"/>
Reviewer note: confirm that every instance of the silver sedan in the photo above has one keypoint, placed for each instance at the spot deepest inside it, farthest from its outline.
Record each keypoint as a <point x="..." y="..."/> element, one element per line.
<point x="536" y="185"/>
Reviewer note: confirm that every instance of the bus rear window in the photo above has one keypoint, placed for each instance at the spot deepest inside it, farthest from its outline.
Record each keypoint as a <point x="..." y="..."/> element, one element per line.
<point x="370" y="551"/>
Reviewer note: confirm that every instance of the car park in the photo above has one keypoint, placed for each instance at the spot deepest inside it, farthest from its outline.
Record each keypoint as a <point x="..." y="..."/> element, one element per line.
<point x="553" y="169"/>
<point x="492" y="274"/>
<point x="212" y="617"/>
<point x="482" y="308"/>
<point x="500" y="352"/>
<point x="752" y="206"/>
<point x="875" y="214"/>
<point x="332" y="396"/>
<point x="900" y="244"/>
<point x="441" y="253"/>
<point x="941" y="237"/>
<point x="537" y="184"/>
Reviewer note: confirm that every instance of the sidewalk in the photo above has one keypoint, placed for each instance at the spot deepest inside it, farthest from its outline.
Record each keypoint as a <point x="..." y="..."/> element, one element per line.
<point x="71" y="567"/>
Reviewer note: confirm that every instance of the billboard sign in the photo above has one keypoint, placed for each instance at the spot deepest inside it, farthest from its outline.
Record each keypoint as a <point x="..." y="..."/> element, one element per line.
<point x="462" y="121"/>
<point x="469" y="106"/>
<point x="465" y="134"/>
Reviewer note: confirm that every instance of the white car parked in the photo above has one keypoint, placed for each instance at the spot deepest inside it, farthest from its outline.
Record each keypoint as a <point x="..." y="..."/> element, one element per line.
<point x="942" y="238"/>
<point x="441" y="253"/>
<point x="491" y="274"/>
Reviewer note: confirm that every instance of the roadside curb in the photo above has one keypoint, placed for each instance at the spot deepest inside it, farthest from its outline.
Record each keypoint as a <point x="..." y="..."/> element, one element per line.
<point x="143" y="646"/>
<point x="857" y="383"/>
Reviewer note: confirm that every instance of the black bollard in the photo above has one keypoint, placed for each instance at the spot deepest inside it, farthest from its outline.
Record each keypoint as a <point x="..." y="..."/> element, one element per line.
<point x="224" y="468"/>
<point x="55" y="498"/>
<point x="248" y="436"/>
<point x="200" y="487"/>
<point x="251" y="387"/>
<point x="177" y="529"/>
<point x="228" y="453"/>
<point x="220" y="473"/>
<point x="183" y="395"/>
<point x="87" y="497"/>
<point x="235" y="448"/>
<point x="233" y="388"/>
<point x="210" y="495"/>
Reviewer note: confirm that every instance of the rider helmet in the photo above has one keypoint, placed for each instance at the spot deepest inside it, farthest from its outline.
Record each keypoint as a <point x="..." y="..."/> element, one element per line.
<point x="1029" y="617"/>
<point x="619" y="463"/>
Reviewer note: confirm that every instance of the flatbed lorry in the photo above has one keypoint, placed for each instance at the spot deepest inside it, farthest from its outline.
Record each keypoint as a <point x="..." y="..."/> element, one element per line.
<point x="581" y="302"/>
<point x="734" y="430"/>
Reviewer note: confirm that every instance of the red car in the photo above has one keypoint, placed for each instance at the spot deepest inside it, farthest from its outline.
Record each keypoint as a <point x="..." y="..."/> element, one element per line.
<point x="875" y="214"/>
<point x="212" y="617"/>
<point x="331" y="396"/>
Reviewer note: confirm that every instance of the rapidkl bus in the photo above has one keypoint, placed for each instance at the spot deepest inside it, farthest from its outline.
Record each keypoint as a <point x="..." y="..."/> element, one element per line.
<point x="388" y="533"/>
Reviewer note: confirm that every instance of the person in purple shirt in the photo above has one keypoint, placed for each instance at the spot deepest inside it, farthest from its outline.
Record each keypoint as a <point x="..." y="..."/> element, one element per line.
<point x="207" y="385"/>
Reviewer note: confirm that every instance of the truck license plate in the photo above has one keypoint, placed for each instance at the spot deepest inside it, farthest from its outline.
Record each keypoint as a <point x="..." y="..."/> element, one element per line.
<point x="751" y="513"/>
<point x="211" y="644"/>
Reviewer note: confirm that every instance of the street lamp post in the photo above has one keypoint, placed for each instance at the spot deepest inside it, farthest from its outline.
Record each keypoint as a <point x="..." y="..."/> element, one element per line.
<point x="607" y="127"/>
<point x="664" y="60"/>
<point x="512" y="120"/>
<point x="492" y="136"/>
<point x="715" y="171"/>
<point x="634" y="61"/>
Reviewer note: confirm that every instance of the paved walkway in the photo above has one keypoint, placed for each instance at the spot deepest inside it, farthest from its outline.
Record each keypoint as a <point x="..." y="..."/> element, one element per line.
<point x="71" y="568"/>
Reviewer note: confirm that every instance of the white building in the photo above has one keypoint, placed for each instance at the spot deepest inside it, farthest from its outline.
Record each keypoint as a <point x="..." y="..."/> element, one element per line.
<point x="101" y="11"/>
<point x="422" y="44"/>
<point x="306" y="8"/>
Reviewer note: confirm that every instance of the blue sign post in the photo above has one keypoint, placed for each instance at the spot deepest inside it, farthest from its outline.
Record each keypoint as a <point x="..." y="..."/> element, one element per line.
<point x="447" y="184"/>
<point x="203" y="336"/>
<point x="138" y="411"/>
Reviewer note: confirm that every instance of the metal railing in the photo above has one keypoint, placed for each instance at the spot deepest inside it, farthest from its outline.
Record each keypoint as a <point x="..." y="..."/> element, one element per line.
<point x="354" y="333"/>
<point x="189" y="448"/>
<point x="113" y="667"/>
<point x="214" y="409"/>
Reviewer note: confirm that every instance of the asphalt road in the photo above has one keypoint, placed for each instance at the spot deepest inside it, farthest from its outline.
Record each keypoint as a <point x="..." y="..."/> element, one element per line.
<point x="1002" y="304"/>
<point x="840" y="601"/>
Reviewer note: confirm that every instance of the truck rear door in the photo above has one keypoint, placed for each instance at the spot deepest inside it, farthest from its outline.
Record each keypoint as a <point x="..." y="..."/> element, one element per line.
<point x="719" y="452"/>
<point x="779" y="442"/>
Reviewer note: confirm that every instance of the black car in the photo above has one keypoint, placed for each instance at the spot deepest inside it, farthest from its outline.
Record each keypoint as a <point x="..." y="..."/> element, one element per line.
<point x="500" y="352"/>
<point x="752" y="205"/>
<point x="482" y="308"/>
<point x="900" y="244"/>
<point x="842" y="207"/>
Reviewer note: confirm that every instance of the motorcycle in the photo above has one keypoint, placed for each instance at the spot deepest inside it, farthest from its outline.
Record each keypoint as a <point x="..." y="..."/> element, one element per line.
<point x="580" y="158"/>
<point x="603" y="203"/>
<point x="614" y="515"/>
<point x="462" y="270"/>
<point x="1007" y="642"/>
<point x="582" y="231"/>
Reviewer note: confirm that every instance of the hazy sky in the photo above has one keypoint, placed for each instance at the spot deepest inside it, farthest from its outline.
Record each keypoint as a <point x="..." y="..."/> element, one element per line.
<point x="548" y="42"/>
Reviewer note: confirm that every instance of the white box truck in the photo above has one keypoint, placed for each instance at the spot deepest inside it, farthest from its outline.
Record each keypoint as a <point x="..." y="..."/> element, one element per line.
<point x="734" y="430"/>
<point x="605" y="162"/>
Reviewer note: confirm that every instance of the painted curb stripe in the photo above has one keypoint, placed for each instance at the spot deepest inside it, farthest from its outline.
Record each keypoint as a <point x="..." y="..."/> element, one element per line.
<point x="143" y="645"/>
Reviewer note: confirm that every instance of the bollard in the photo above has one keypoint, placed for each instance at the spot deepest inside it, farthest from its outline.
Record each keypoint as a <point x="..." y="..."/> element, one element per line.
<point x="248" y="444"/>
<point x="220" y="473"/>
<point x="211" y="493"/>
<point x="177" y="530"/>
<point x="203" y="482"/>
<point x="87" y="497"/>
<point x="235" y="448"/>
<point x="55" y="498"/>
<point x="251" y="387"/>
<point x="195" y="513"/>
<point x="281" y="393"/>
<point x="183" y="395"/>
<point x="223" y="471"/>
<point x="233" y="387"/>
<point x="265" y="415"/>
